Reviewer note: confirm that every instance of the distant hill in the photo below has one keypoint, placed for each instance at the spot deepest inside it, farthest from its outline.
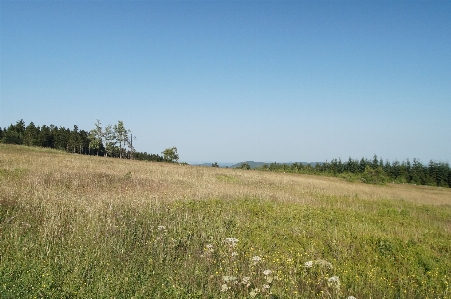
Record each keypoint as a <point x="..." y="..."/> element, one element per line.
<point x="220" y="164"/>
<point x="254" y="164"/>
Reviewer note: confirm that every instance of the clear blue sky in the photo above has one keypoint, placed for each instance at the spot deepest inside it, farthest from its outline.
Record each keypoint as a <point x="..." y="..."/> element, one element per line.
<point x="230" y="81"/>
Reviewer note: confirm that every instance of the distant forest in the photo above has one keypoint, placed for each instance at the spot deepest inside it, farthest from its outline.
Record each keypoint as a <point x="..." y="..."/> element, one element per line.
<point x="116" y="141"/>
<point x="374" y="171"/>
<point x="110" y="141"/>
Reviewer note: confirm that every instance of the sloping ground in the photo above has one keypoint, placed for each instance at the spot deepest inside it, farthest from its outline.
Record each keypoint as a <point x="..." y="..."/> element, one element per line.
<point x="80" y="226"/>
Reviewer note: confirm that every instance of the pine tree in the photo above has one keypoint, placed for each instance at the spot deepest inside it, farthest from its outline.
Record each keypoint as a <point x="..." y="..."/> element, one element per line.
<point x="31" y="134"/>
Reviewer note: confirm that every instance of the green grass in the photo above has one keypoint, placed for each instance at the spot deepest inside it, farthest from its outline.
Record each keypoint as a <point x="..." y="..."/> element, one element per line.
<point x="82" y="227"/>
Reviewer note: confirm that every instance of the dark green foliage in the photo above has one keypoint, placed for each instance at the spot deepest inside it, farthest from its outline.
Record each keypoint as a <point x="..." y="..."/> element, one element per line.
<point x="45" y="137"/>
<point x="31" y="134"/>
<point x="62" y="136"/>
<point x="374" y="171"/>
<point x="15" y="133"/>
<point x="245" y="166"/>
<point x="148" y="157"/>
<point x="94" y="142"/>
<point x="375" y="162"/>
<point x="352" y="165"/>
<point x="12" y="137"/>
<point x="374" y="176"/>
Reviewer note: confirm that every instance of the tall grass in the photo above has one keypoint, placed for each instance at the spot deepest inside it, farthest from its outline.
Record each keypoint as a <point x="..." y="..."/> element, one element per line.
<point x="86" y="227"/>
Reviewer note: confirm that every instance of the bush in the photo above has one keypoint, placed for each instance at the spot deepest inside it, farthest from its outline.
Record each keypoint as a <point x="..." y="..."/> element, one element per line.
<point x="374" y="176"/>
<point x="245" y="166"/>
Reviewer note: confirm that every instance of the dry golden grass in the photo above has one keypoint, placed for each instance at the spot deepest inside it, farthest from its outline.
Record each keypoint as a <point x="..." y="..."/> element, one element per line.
<point x="63" y="176"/>
<point x="63" y="213"/>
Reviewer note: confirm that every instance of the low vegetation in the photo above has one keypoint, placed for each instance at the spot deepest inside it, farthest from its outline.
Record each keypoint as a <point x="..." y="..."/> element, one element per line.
<point x="109" y="141"/>
<point x="79" y="226"/>
<point x="373" y="171"/>
<point x="117" y="141"/>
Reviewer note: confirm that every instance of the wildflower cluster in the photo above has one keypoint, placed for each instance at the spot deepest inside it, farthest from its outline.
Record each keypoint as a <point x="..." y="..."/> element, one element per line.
<point x="231" y="242"/>
<point x="240" y="276"/>
<point x="241" y="273"/>
<point x="321" y="263"/>
<point x="317" y="276"/>
<point x="209" y="248"/>
<point x="208" y="253"/>
<point x="256" y="259"/>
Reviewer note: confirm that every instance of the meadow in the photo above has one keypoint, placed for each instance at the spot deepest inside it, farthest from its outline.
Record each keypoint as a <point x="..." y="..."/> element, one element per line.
<point x="75" y="226"/>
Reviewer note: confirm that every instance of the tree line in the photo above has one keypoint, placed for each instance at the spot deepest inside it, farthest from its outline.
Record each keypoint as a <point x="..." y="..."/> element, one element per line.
<point x="374" y="171"/>
<point x="117" y="141"/>
<point x="110" y="141"/>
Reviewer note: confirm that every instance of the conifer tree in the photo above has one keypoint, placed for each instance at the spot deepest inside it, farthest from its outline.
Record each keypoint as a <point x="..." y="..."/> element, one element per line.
<point x="31" y="134"/>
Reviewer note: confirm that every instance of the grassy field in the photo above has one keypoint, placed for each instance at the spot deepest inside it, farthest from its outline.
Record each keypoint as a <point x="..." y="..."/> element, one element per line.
<point x="75" y="226"/>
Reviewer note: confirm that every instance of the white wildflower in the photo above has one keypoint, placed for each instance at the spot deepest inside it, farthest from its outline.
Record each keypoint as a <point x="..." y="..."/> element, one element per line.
<point x="324" y="264"/>
<point x="232" y="241"/>
<point x="246" y="281"/>
<point x="351" y="297"/>
<point x="230" y="279"/>
<point x="267" y="272"/>
<point x="334" y="281"/>
<point x="308" y="264"/>
<point x="209" y="248"/>
<point x="256" y="259"/>
<point x="224" y="288"/>
<point x="161" y="227"/>
<point x="254" y="293"/>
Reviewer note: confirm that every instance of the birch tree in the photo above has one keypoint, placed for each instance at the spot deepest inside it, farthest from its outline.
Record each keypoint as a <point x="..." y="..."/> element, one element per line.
<point x="110" y="140"/>
<point x="121" y="135"/>
<point x="96" y="136"/>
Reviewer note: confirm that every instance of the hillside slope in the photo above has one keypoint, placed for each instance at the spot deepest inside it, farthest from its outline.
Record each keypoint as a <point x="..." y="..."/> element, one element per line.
<point x="80" y="226"/>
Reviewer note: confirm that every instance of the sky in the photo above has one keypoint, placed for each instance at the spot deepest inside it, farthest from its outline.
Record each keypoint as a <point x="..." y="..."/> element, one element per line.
<point x="232" y="81"/>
